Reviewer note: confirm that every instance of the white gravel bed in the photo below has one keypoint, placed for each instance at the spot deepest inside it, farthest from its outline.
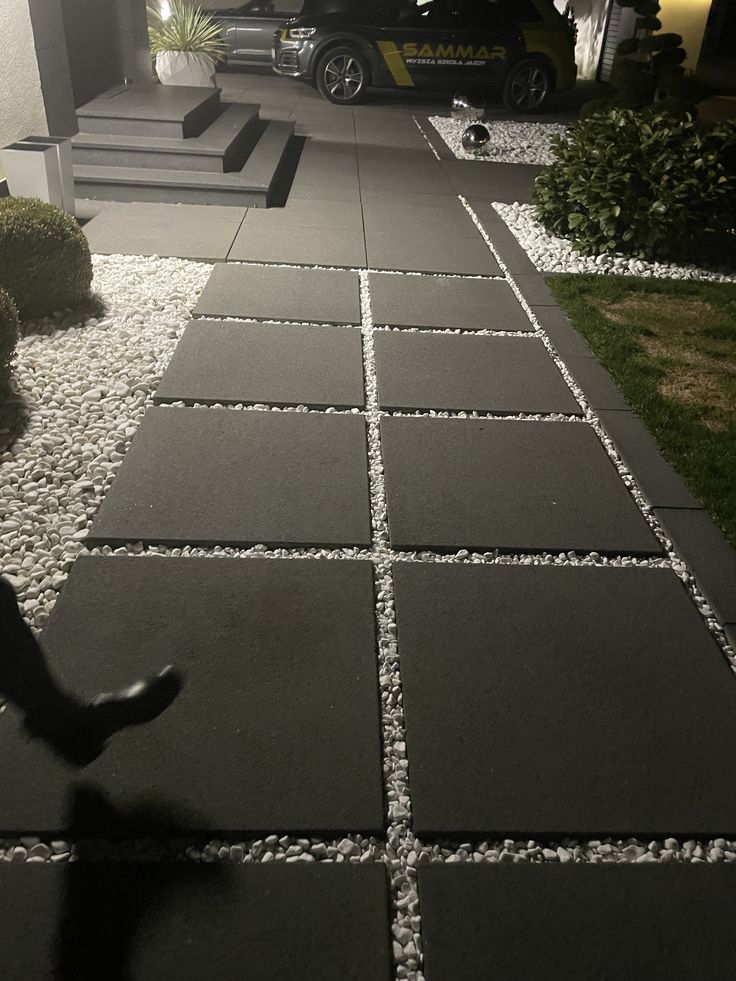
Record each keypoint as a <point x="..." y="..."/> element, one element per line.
<point x="86" y="382"/>
<point x="557" y="255"/>
<point x="511" y="142"/>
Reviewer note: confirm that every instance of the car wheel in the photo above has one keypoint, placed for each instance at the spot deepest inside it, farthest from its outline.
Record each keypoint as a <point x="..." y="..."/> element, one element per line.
<point x="342" y="76"/>
<point x="527" y="86"/>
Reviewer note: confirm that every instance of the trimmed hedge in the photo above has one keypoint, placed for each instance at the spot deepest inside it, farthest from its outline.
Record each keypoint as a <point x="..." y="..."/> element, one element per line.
<point x="9" y="334"/>
<point x="648" y="185"/>
<point x="45" y="263"/>
<point x="648" y="69"/>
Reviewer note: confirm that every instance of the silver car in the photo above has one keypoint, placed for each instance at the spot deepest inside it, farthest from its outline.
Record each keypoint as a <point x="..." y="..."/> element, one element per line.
<point x="249" y="28"/>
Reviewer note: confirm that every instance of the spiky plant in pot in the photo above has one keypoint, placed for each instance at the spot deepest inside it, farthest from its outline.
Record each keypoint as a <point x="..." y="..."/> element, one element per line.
<point x="186" y="42"/>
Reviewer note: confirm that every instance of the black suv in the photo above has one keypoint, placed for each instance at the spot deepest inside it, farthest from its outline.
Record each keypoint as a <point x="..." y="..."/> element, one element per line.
<point x="524" y="48"/>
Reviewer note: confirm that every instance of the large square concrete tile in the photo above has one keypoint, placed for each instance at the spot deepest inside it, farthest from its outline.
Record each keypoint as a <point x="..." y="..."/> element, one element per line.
<point x="553" y="701"/>
<point x="190" y="922"/>
<point x="278" y="364"/>
<point x="277" y="726"/>
<point x="171" y="230"/>
<point x="418" y="370"/>
<point x="577" y="922"/>
<point x="441" y="301"/>
<point x="281" y="293"/>
<point x="517" y="486"/>
<point x="224" y="476"/>
<point x="283" y="241"/>
<point x="407" y="248"/>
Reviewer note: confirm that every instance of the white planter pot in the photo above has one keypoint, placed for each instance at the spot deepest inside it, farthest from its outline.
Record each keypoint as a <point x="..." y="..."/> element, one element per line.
<point x="185" y="68"/>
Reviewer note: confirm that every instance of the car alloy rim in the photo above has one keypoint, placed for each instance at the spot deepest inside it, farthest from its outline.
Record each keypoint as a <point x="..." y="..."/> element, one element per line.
<point x="343" y="77"/>
<point x="529" y="87"/>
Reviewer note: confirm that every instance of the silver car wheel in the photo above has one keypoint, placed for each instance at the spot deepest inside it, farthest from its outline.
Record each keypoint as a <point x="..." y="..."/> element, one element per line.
<point x="529" y="87"/>
<point x="343" y="77"/>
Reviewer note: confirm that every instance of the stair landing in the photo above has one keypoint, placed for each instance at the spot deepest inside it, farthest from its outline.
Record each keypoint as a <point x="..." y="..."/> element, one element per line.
<point x="151" y="110"/>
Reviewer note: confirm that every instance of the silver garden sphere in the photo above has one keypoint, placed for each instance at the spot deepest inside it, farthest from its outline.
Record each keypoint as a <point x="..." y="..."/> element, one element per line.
<point x="468" y="105"/>
<point x="475" y="139"/>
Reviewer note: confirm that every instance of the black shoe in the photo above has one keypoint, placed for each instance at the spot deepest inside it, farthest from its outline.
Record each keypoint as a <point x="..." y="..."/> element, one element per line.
<point x="79" y="732"/>
<point x="142" y="702"/>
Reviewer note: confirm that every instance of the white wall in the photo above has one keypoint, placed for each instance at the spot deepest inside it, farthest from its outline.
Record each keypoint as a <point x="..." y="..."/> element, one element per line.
<point x="590" y="16"/>
<point x="22" y="110"/>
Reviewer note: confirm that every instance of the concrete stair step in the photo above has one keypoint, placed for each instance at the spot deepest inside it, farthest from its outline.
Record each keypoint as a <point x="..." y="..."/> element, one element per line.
<point x="254" y="185"/>
<point x="172" y="111"/>
<point x="223" y="147"/>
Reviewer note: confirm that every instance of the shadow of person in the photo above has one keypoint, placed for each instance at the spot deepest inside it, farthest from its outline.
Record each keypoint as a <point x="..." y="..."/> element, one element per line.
<point x="115" y="897"/>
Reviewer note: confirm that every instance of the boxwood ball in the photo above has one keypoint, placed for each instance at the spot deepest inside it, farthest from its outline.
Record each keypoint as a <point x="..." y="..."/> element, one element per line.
<point x="476" y="138"/>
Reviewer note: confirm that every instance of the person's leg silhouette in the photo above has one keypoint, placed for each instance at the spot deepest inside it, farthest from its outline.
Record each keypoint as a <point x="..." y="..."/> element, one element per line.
<point x="75" y="729"/>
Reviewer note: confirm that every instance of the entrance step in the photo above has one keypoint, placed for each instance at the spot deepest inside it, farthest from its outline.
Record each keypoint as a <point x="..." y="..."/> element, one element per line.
<point x="253" y="186"/>
<point x="224" y="146"/>
<point x="171" y="111"/>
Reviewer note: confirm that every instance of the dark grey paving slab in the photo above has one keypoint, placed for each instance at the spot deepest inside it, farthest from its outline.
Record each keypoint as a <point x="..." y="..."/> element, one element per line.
<point x="507" y="183"/>
<point x="395" y="215"/>
<point x="436" y="301"/>
<point x="400" y="170"/>
<point x="221" y="476"/>
<point x="264" y="922"/>
<point x="281" y="293"/>
<point x="491" y="220"/>
<point x="309" y="214"/>
<point x="534" y="289"/>
<point x="314" y="189"/>
<point x="408" y="248"/>
<point x="513" y="256"/>
<point x="577" y="922"/>
<point x="662" y="486"/>
<point x="338" y="162"/>
<point x="460" y="371"/>
<point x="129" y="230"/>
<point x="702" y="544"/>
<point x="600" y="390"/>
<point x="517" y="486"/>
<point x="378" y="202"/>
<point x="277" y="726"/>
<point x="281" y="241"/>
<point x="568" y="342"/>
<point x="543" y="700"/>
<point x="279" y="364"/>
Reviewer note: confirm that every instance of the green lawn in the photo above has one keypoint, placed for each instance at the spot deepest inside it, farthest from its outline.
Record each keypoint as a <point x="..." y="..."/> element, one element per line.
<point x="671" y="346"/>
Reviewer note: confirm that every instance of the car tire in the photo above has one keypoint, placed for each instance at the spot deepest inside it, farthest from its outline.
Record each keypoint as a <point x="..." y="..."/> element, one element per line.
<point x="527" y="86"/>
<point x="342" y="76"/>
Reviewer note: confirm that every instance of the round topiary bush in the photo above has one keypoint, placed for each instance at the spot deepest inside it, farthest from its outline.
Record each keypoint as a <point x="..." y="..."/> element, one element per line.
<point x="647" y="185"/>
<point x="9" y="334"/>
<point x="45" y="263"/>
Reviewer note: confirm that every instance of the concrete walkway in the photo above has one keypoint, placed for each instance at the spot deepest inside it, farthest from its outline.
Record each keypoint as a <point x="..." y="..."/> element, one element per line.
<point x="426" y="609"/>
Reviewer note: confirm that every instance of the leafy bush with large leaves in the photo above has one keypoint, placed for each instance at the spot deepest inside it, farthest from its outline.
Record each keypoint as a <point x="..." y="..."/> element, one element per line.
<point x="650" y="186"/>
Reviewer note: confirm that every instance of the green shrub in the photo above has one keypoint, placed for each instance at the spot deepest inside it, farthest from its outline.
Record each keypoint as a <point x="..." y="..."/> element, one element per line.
<point x="648" y="69"/>
<point x="648" y="185"/>
<point x="45" y="262"/>
<point x="9" y="334"/>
